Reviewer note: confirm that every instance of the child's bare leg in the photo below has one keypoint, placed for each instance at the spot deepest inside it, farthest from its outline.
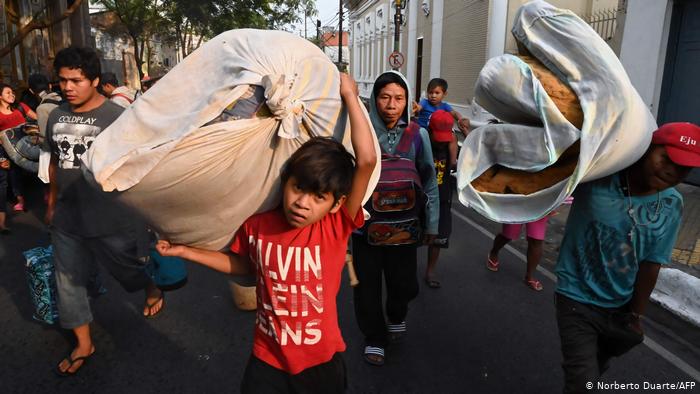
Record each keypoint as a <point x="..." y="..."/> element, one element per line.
<point x="534" y="255"/>
<point x="498" y="243"/>
<point x="453" y="151"/>
<point x="433" y="255"/>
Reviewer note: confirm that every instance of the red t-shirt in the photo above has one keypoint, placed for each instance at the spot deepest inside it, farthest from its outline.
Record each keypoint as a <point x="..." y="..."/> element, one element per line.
<point x="14" y="119"/>
<point x="298" y="276"/>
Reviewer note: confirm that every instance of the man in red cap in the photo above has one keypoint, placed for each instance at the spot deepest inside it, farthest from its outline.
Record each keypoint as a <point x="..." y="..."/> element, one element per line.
<point x="444" y="146"/>
<point x="620" y="230"/>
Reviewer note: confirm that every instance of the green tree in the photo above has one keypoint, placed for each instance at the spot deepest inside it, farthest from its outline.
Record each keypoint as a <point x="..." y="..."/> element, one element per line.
<point x="188" y="22"/>
<point x="191" y="22"/>
<point x="140" y="19"/>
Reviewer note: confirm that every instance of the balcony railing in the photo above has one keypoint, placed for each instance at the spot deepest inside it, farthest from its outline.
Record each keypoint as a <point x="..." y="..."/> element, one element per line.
<point x="604" y="22"/>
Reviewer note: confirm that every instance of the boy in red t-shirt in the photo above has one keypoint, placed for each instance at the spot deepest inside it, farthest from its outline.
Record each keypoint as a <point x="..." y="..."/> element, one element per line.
<point x="298" y="253"/>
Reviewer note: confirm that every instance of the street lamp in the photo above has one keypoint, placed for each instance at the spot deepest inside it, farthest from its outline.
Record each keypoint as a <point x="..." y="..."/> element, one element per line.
<point x="399" y="5"/>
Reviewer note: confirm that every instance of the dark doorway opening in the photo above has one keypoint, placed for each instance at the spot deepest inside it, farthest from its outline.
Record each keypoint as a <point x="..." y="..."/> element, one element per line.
<point x="680" y="101"/>
<point x="419" y="68"/>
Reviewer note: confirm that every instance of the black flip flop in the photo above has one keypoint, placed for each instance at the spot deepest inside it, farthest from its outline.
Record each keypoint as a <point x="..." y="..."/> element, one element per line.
<point x="72" y="361"/>
<point x="5" y="231"/>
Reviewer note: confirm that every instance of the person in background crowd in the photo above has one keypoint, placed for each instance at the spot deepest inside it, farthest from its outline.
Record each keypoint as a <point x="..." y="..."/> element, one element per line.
<point x="4" y="169"/>
<point x="535" y="241"/>
<point x="384" y="250"/>
<point x="13" y="114"/>
<point x="122" y="95"/>
<point x="87" y="225"/>
<point x="441" y="139"/>
<point x="437" y="91"/>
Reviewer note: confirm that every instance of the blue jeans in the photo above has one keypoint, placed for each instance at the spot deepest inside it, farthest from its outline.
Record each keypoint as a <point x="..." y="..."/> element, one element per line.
<point x="74" y="259"/>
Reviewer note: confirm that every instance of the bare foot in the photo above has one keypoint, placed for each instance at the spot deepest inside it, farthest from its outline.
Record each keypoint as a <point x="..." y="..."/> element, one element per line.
<point x="71" y="365"/>
<point x="154" y="301"/>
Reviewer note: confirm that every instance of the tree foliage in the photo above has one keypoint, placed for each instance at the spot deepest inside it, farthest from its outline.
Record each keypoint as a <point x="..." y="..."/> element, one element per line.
<point x="188" y="23"/>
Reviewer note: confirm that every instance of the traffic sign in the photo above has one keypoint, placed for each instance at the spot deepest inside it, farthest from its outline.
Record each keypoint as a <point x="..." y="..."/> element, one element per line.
<point x="396" y="59"/>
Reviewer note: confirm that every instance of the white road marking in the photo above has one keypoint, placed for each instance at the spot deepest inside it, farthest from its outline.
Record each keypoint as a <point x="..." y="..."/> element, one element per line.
<point x="650" y="343"/>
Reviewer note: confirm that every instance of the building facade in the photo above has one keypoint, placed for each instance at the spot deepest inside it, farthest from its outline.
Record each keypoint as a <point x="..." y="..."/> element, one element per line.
<point x="116" y="51"/>
<point x="37" y="50"/>
<point x="451" y="39"/>
<point x="657" y="41"/>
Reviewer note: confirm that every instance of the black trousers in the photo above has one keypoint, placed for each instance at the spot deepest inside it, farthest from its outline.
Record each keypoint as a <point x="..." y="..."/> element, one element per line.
<point x="590" y="337"/>
<point x="327" y="378"/>
<point x="398" y="264"/>
<point x="3" y="189"/>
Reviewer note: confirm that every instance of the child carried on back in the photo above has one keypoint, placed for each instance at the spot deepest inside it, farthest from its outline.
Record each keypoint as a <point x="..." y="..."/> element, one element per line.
<point x="297" y="252"/>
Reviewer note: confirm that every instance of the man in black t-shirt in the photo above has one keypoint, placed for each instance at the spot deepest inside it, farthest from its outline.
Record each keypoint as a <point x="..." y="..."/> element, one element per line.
<point x="86" y="224"/>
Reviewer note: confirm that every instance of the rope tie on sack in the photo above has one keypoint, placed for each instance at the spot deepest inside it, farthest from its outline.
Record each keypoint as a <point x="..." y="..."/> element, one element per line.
<point x="285" y="108"/>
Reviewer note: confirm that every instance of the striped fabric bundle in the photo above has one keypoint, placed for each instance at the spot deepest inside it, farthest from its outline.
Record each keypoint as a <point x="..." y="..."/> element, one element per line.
<point x="182" y="155"/>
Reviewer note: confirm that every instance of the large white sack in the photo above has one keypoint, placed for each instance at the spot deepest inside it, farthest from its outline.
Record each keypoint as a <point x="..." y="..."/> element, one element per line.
<point x="197" y="184"/>
<point x="616" y="130"/>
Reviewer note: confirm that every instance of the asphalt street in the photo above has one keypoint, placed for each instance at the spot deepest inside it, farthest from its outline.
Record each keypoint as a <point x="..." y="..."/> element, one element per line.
<point x="482" y="332"/>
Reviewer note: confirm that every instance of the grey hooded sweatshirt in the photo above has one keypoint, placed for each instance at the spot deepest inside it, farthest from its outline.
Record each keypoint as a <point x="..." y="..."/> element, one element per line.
<point x="424" y="161"/>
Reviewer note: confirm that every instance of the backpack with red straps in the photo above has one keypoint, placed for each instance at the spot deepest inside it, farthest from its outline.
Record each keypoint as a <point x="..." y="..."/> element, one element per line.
<point x="397" y="206"/>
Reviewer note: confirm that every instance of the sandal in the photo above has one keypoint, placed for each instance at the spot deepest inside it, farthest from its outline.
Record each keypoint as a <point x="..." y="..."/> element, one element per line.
<point x="491" y="265"/>
<point x="534" y="284"/>
<point x="374" y="355"/>
<point x="433" y="283"/>
<point x="150" y="306"/>
<point x="72" y="361"/>
<point x="397" y="332"/>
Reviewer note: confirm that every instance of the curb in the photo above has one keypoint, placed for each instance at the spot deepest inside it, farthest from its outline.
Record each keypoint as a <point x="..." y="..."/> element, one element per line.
<point x="679" y="293"/>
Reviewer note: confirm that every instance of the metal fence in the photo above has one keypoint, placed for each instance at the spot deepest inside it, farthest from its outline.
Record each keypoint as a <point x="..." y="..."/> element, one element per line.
<point x="603" y="22"/>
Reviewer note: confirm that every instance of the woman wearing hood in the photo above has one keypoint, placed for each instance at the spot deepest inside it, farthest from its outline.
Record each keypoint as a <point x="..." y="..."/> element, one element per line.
<point x="404" y="212"/>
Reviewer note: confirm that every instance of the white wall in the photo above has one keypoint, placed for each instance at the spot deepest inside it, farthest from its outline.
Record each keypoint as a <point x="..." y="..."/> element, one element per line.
<point x="643" y="47"/>
<point x="498" y="20"/>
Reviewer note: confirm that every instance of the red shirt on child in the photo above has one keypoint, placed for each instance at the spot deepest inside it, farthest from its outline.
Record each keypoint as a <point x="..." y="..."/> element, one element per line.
<point x="298" y="276"/>
<point x="14" y="119"/>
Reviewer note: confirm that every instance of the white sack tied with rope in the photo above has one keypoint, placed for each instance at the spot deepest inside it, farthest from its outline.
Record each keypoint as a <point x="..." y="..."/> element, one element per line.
<point x="202" y="150"/>
<point x="616" y="127"/>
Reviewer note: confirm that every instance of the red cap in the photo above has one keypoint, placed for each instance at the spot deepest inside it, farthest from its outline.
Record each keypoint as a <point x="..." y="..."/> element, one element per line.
<point x="682" y="141"/>
<point x="440" y="126"/>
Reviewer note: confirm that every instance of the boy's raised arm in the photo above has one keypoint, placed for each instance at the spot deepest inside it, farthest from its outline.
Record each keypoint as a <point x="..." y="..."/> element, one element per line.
<point x="223" y="262"/>
<point x="362" y="144"/>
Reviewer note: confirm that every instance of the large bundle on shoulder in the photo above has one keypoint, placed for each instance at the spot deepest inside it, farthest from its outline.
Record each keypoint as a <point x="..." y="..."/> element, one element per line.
<point x="203" y="149"/>
<point x="571" y="115"/>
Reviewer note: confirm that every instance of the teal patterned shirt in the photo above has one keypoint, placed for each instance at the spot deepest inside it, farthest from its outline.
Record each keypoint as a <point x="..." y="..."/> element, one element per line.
<point x="602" y="248"/>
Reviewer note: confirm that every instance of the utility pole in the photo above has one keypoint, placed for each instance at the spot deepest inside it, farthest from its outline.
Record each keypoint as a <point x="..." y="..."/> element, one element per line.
<point x="318" y="33"/>
<point x="397" y="25"/>
<point x="340" y="35"/>
<point x="398" y="19"/>
<point x="305" y="17"/>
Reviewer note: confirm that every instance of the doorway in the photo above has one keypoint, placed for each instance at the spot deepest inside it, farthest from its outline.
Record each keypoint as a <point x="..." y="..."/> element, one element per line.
<point x="419" y="69"/>
<point x="680" y="101"/>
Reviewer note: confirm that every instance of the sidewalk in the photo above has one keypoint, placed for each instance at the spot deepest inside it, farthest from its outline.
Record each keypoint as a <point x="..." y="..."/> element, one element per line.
<point x="686" y="254"/>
